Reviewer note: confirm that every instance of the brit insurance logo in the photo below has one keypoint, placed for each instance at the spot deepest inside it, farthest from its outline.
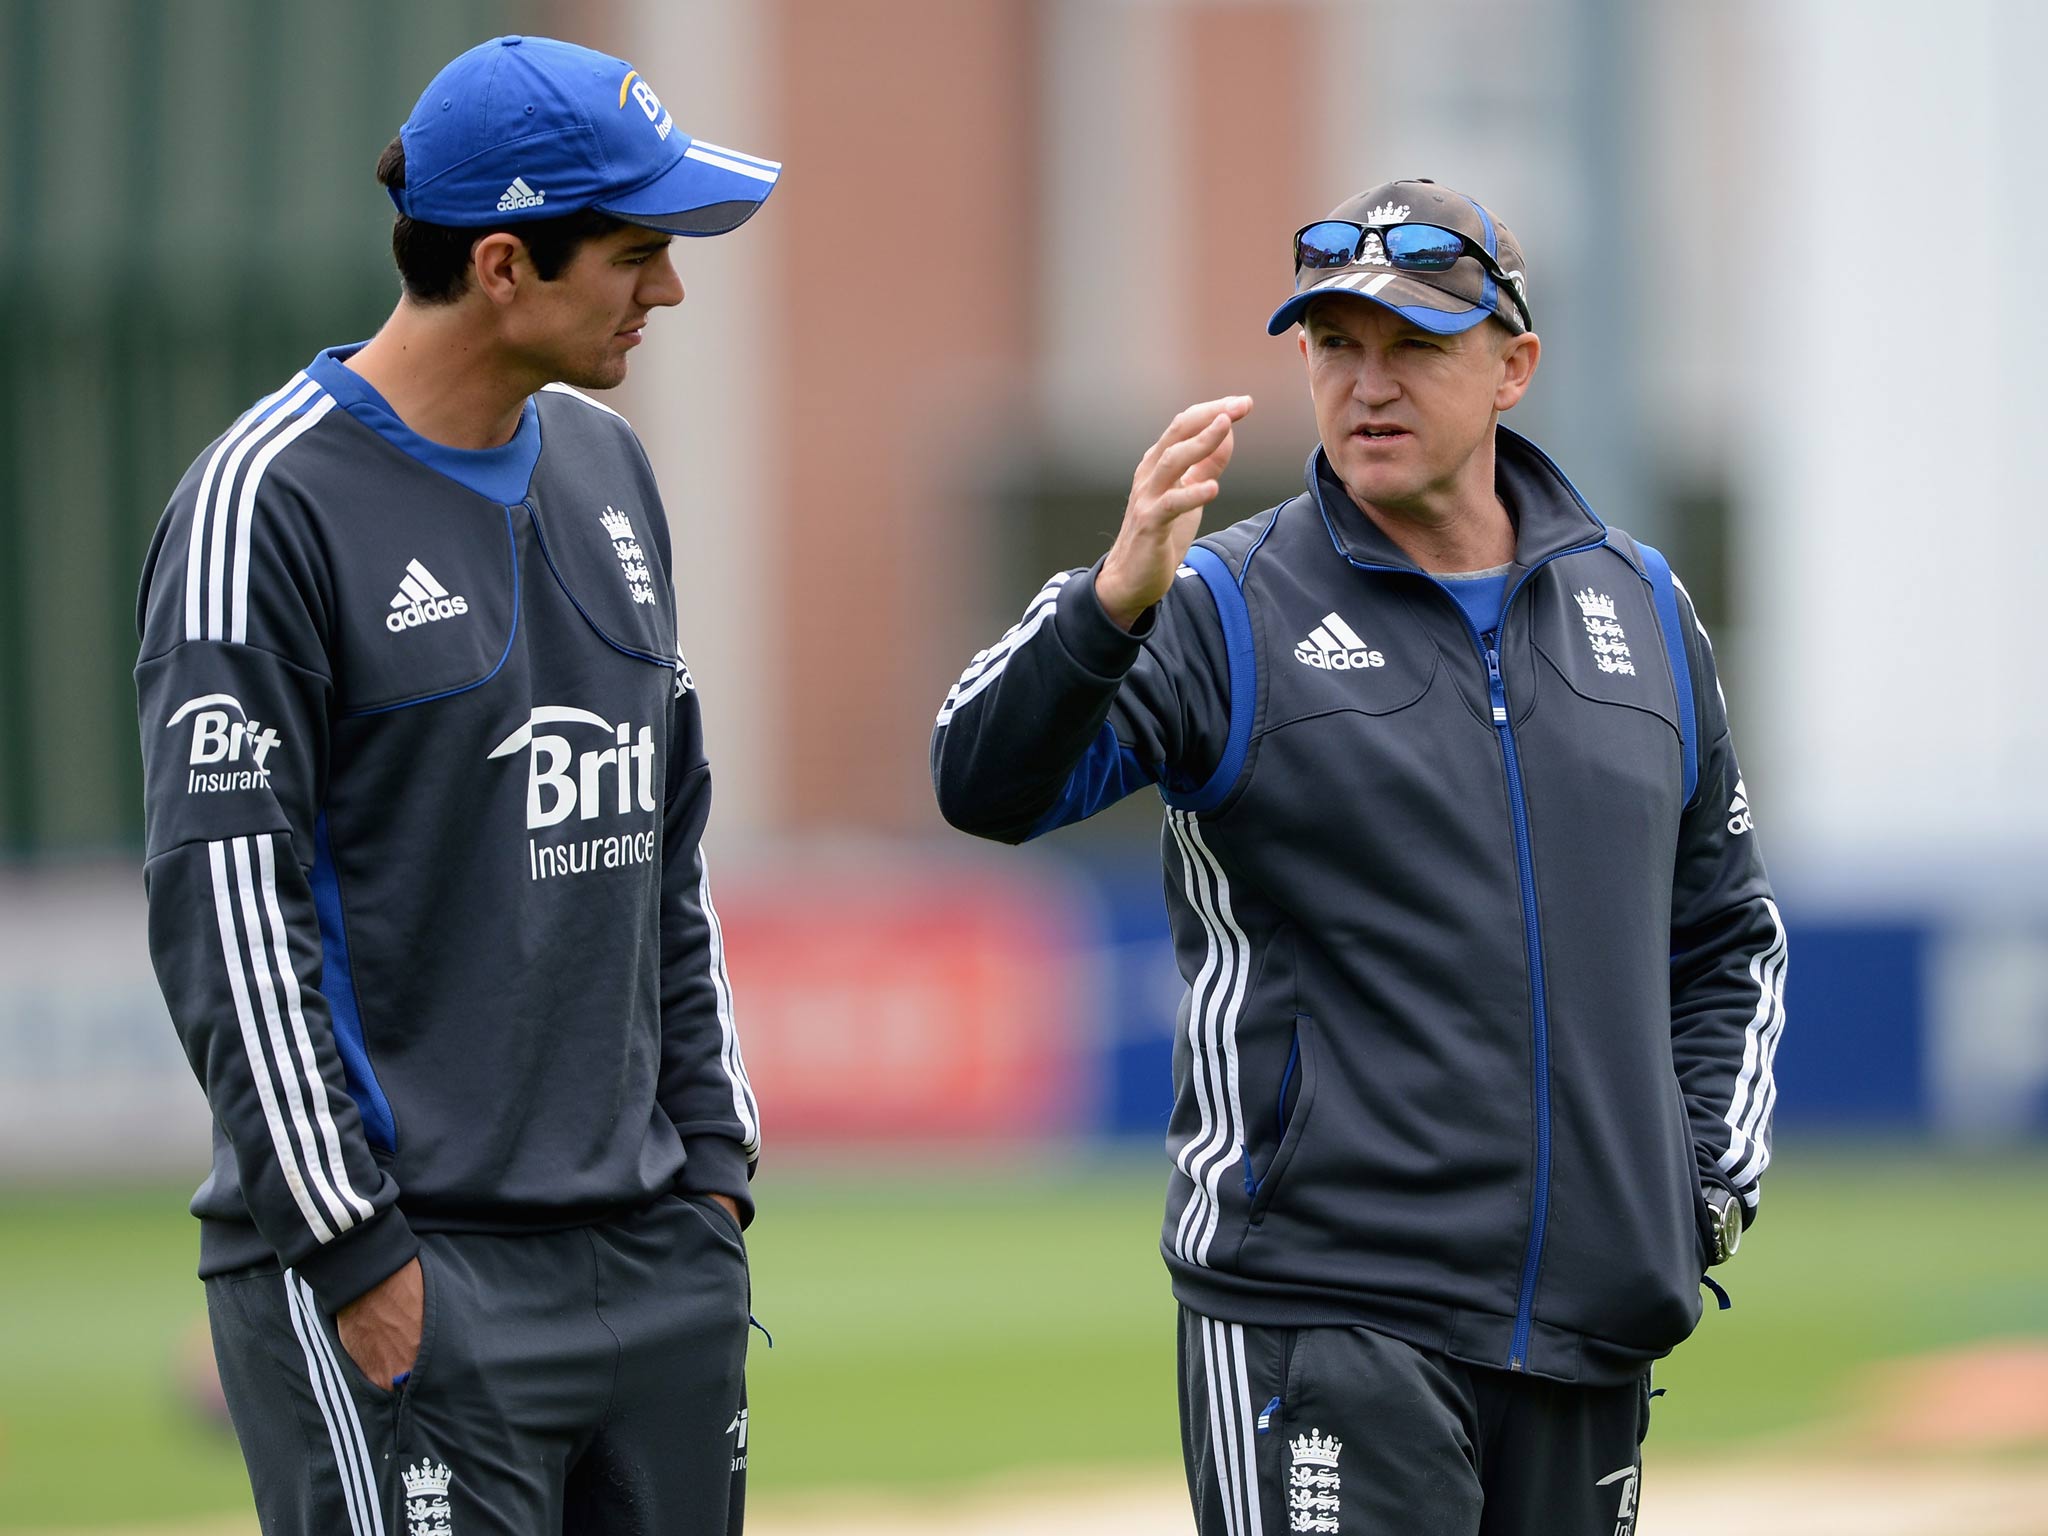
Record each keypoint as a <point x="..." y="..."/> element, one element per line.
<point x="643" y="95"/>
<point x="230" y="750"/>
<point x="1603" y="630"/>
<point x="1315" y="1484"/>
<point x="600" y="773"/>
<point x="632" y="558"/>
<point x="1629" y="1478"/>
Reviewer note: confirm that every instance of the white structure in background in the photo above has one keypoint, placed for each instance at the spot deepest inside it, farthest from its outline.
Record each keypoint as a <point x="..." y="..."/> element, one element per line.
<point x="1878" y="264"/>
<point x="92" y="1078"/>
<point x="700" y="397"/>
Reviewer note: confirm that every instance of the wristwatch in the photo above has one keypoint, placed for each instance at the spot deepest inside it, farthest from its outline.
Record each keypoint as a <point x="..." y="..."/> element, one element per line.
<point x="1726" y="1211"/>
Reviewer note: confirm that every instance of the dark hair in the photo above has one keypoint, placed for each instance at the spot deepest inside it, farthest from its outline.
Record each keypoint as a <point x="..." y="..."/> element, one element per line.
<point x="433" y="259"/>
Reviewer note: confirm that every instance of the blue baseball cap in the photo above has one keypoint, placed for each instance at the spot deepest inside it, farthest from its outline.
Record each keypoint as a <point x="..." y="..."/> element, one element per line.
<point x="524" y="128"/>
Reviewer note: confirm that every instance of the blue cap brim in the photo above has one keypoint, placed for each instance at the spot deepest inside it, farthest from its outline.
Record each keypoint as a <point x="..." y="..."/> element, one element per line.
<point x="708" y="191"/>
<point x="1443" y="322"/>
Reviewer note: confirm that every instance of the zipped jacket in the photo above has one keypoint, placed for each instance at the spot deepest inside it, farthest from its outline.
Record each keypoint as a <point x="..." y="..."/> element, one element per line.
<point x="1480" y="989"/>
<point x="425" y="787"/>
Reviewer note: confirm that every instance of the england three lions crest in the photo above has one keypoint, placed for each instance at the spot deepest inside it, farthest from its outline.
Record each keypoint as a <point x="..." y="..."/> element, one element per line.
<point x="632" y="558"/>
<point x="1603" y="630"/>
<point x="1315" y="1484"/>
<point x="426" y="1500"/>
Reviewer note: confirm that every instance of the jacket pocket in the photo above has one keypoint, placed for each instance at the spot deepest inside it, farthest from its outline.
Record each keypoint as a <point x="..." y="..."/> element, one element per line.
<point x="1290" y="1111"/>
<point x="1702" y="1217"/>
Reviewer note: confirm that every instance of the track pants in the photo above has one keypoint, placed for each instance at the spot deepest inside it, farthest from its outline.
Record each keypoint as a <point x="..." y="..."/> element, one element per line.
<point x="583" y="1381"/>
<point x="1349" y="1431"/>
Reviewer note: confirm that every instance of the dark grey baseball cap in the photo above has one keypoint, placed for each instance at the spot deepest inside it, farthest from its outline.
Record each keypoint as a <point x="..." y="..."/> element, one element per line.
<point x="1446" y="302"/>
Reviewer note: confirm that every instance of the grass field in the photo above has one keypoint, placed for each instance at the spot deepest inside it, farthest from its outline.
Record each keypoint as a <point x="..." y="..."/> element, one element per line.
<point x="937" y="1329"/>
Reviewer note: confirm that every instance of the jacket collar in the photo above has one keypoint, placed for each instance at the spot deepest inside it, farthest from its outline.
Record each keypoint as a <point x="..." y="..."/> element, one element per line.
<point x="1550" y="515"/>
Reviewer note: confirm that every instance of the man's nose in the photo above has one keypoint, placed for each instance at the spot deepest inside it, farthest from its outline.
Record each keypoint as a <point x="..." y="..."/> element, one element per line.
<point x="1375" y="383"/>
<point x="663" y="285"/>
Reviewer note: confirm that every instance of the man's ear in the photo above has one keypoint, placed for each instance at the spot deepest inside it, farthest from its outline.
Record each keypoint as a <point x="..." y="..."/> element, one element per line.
<point x="499" y="264"/>
<point x="1518" y="359"/>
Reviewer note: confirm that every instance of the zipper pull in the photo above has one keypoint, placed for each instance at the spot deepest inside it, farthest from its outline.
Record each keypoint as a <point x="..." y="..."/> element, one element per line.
<point x="1496" y="689"/>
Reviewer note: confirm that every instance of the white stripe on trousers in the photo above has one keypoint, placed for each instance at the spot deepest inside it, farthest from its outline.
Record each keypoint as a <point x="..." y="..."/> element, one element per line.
<point x="1231" y="1442"/>
<point x="338" y="1409"/>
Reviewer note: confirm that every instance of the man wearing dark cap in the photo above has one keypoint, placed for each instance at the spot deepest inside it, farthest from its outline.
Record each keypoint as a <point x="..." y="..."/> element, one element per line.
<point x="425" y="795"/>
<point x="1484" y="977"/>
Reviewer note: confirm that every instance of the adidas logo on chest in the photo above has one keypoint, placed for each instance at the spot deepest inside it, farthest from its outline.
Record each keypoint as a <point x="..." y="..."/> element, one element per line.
<point x="422" y="600"/>
<point x="1334" y="646"/>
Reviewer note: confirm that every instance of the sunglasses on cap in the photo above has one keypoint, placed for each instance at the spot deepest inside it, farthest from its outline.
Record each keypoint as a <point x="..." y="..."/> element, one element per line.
<point x="1407" y="248"/>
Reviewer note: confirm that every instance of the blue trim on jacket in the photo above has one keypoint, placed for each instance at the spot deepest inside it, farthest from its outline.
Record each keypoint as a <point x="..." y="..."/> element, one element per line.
<point x="1664" y="592"/>
<point x="1244" y="681"/>
<point x="338" y="986"/>
<point x="1109" y="771"/>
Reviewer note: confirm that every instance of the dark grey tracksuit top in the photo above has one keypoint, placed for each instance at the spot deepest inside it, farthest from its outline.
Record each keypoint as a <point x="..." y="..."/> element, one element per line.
<point x="1476" y="998"/>
<point x="425" y="787"/>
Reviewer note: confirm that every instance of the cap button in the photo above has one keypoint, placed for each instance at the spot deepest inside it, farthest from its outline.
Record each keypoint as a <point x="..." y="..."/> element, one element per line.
<point x="510" y="42"/>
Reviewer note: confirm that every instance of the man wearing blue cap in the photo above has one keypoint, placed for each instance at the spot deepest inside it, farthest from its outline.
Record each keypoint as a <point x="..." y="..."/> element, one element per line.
<point x="425" y="796"/>
<point x="1484" y="977"/>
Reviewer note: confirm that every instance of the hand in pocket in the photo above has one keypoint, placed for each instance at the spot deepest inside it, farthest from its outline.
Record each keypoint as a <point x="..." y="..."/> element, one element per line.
<point x="380" y="1329"/>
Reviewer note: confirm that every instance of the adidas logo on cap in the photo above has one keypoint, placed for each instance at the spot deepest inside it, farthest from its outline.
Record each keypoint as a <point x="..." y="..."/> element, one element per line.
<point x="421" y="600"/>
<point x="1334" y="646"/>
<point x="520" y="195"/>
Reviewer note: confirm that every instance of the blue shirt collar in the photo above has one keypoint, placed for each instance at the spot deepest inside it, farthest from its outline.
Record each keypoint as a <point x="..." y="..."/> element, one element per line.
<point x="496" y="474"/>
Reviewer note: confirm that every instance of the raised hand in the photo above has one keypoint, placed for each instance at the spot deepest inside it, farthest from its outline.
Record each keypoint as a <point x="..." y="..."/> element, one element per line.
<point x="1179" y="475"/>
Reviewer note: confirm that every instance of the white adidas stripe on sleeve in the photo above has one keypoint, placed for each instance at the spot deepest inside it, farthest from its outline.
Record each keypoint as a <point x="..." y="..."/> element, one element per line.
<point x="744" y="1105"/>
<point x="226" y="456"/>
<point x="238" y="630"/>
<point x="233" y="957"/>
<point x="288" y="1081"/>
<point x="1756" y="1087"/>
<point x="288" y="980"/>
<point x="988" y="665"/>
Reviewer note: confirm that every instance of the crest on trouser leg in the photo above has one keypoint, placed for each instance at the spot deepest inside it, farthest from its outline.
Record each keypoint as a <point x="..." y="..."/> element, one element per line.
<point x="426" y="1500"/>
<point x="1314" y="1482"/>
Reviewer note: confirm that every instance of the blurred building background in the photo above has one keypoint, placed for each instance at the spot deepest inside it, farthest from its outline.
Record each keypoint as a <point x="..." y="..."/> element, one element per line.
<point x="1776" y="252"/>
